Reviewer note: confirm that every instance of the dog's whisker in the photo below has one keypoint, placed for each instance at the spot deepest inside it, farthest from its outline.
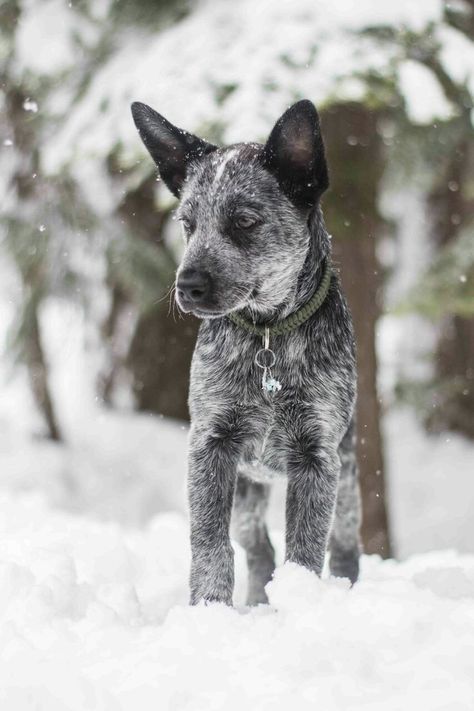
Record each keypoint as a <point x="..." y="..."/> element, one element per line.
<point x="171" y="299"/>
<point x="164" y="297"/>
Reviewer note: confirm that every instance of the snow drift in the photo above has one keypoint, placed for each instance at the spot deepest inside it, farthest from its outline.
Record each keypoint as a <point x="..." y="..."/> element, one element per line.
<point x="94" y="616"/>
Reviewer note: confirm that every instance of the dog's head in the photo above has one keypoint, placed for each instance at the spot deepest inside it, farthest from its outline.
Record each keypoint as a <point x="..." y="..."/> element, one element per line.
<point x="244" y="209"/>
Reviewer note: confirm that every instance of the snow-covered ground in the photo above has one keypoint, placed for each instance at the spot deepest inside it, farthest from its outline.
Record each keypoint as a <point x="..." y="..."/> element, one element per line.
<point x="431" y="487"/>
<point x="94" y="616"/>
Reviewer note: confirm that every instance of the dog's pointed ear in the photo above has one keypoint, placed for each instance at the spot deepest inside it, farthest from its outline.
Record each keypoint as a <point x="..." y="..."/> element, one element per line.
<point x="171" y="148"/>
<point x="294" y="153"/>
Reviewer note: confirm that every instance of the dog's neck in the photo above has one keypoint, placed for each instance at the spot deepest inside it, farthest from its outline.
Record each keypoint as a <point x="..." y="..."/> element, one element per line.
<point x="309" y="277"/>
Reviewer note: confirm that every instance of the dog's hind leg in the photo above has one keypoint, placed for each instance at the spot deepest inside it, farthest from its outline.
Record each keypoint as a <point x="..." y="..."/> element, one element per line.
<point x="250" y="530"/>
<point x="345" y="542"/>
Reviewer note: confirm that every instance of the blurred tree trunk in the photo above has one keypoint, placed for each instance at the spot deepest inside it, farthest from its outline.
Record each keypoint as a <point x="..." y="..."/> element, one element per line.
<point x="451" y="209"/>
<point x="356" y="164"/>
<point x="160" y="359"/>
<point x="29" y="188"/>
<point x="112" y="338"/>
<point x="159" y="353"/>
<point x="38" y="376"/>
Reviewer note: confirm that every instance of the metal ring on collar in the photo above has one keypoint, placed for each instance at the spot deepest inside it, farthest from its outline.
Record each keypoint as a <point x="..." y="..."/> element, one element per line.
<point x="272" y="358"/>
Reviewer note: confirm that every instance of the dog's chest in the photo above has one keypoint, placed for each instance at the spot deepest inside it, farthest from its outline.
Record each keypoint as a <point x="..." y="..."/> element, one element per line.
<point x="226" y="387"/>
<point x="264" y="458"/>
<point x="226" y="366"/>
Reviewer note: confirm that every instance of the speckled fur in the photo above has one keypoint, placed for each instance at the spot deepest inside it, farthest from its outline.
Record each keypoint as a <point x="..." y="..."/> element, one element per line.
<point x="241" y="437"/>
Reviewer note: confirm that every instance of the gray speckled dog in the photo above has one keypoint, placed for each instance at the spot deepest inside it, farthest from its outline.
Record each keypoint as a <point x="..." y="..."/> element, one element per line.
<point x="256" y="246"/>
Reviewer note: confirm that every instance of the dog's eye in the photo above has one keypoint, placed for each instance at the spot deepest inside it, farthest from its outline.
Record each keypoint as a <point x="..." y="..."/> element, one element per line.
<point x="244" y="222"/>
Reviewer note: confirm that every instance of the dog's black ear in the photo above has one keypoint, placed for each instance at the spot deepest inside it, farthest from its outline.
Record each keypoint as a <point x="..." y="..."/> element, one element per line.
<point x="171" y="148"/>
<point x="294" y="153"/>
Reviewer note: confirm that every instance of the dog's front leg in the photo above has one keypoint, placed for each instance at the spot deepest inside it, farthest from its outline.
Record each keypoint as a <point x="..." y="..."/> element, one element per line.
<point x="211" y="482"/>
<point x="313" y="471"/>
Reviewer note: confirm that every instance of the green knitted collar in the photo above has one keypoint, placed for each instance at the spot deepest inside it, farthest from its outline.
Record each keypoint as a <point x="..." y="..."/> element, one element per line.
<point x="293" y="320"/>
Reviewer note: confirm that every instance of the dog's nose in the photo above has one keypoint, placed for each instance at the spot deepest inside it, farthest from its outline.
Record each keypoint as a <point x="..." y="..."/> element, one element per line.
<point x="193" y="286"/>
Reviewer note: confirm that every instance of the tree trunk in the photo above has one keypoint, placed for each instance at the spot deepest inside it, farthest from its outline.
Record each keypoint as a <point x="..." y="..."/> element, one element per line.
<point x="356" y="163"/>
<point x="451" y="210"/>
<point x="454" y="409"/>
<point x="28" y="185"/>
<point x="38" y="376"/>
<point x="114" y="347"/>
<point x="160" y="359"/>
<point x="159" y="354"/>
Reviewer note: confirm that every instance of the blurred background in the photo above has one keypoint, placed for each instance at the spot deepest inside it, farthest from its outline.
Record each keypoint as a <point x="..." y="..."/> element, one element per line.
<point x="94" y="356"/>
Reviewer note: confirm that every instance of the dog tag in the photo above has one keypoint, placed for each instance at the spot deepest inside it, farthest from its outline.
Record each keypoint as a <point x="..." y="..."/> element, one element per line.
<point x="265" y="358"/>
<point x="269" y="383"/>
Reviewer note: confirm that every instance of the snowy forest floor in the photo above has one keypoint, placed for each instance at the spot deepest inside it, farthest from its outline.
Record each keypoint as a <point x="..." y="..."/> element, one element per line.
<point x="93" y="615"/>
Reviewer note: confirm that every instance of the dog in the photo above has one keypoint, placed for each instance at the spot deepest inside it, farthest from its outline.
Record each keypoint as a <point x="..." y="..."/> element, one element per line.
<point x="273" y="375"/>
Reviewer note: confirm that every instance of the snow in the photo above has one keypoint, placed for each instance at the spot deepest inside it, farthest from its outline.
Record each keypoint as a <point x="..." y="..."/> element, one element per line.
<point x="94" y="615"/>
<point x="457" y="55"/>
<point x="259" y="55"/>
<point x="38" y="29"/>
<point x="47" y="37"/>
<point x="430" y="486"/>
<point x="117" y="465"/>
<point x="423" y="94"/>
<point x="30" y="105"/>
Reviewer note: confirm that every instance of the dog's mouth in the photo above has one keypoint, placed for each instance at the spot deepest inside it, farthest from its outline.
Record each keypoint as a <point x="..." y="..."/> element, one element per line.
<point x="209" y="311"/>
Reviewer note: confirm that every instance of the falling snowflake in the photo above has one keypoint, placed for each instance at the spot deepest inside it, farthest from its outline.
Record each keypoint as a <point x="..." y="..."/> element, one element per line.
<point x="30" y="105"/>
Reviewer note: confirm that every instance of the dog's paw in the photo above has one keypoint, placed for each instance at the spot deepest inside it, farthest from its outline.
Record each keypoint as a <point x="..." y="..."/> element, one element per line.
<point x="345" y="564"/>
<point x="256" y="597"/>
